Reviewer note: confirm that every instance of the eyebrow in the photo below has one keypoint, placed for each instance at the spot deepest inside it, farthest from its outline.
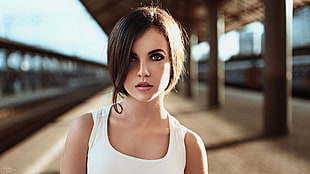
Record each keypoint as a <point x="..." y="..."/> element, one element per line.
<point x="151" y="52"/>
<point x="156" y="50"/>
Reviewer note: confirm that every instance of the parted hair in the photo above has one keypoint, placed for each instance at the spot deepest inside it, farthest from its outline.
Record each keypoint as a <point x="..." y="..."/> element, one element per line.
<point x="123" y="35"/>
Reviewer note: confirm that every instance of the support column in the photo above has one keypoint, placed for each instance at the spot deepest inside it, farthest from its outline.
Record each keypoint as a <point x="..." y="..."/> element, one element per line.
<point x="194" y="68"/>
<point x="278" y="67"/>
<point x="215" y="65"/>
<point x="3" y="60"/>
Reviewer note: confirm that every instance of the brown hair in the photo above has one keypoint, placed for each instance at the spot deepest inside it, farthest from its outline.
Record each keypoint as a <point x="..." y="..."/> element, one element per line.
<point x="123" y="35"/>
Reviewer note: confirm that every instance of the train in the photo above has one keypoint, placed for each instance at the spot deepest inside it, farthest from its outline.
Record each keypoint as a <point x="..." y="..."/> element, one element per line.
<point x="247" y="72"/>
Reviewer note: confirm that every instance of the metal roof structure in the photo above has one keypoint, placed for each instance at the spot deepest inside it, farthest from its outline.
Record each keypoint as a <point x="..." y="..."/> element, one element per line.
<point x="192" y="14"/>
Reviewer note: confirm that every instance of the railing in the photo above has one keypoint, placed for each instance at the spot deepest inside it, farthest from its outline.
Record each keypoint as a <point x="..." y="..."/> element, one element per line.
<point x="29" y="71"/>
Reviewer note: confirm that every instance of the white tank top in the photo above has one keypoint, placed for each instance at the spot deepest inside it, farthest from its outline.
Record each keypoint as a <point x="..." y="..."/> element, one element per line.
<point x="104" y="159"/>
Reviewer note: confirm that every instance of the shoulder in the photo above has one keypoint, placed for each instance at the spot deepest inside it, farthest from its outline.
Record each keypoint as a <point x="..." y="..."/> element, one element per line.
<point x="82" y="124"/>
<point x="76" y="148"/>
<point x="81" y="129"/>
<point x="196" y="156"/>
<point x="192" y="138"/>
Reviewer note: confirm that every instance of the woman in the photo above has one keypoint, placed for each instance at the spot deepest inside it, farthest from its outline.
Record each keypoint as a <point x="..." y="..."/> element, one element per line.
<point x="137" y="135"/>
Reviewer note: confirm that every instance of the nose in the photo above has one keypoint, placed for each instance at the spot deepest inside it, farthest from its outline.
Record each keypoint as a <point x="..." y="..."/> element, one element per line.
<point x="143" y="70"/>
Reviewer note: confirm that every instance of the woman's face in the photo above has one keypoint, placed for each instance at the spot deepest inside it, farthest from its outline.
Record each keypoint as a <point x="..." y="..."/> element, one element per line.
<point x="149" y="67"/>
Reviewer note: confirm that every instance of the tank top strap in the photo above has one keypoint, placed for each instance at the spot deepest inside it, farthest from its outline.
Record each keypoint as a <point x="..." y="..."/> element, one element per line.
<point x="102" y="112"/>
<point x="179" y="139"/>
<point x="175" y="124"/>
<point x="98" y="118"/>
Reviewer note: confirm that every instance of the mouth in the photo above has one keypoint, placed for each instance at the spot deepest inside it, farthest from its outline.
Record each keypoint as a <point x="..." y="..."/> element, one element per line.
<point x="143" y="85"/>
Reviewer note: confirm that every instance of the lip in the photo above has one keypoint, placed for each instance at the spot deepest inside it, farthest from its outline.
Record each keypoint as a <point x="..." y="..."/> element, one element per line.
<point x="143" y="86"/>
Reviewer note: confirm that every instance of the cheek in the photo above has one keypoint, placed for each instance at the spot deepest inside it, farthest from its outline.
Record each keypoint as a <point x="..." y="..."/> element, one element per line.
<point x="129" y="78"/>
<point x="131" y="72"/>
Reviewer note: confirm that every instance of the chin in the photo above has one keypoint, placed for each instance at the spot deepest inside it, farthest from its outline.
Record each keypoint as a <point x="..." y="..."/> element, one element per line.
<point x="146" y="98"/>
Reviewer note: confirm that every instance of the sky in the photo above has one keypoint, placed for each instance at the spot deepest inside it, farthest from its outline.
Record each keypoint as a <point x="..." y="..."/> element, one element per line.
<point x="59" y="25"/>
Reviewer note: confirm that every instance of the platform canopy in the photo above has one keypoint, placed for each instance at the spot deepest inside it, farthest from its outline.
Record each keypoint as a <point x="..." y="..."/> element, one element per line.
<point x="192" y="14"/>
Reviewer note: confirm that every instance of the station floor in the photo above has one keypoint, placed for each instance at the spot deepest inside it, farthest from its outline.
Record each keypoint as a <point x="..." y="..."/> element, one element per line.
<point x="232" y="135"/>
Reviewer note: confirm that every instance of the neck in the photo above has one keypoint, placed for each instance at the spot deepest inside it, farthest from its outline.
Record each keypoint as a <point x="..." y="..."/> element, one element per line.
<point x="144" y="112"/>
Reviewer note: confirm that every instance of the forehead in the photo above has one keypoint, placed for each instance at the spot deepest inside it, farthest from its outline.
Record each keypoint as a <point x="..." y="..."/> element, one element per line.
<point x="149" y="40"/>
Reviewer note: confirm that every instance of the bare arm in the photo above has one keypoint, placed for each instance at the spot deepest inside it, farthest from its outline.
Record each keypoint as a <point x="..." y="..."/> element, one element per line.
<point x="75" y="153"/>
<point x="196" y="155"/>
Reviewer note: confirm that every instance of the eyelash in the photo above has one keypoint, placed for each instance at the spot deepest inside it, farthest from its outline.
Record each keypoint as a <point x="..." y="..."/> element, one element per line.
<point x="132" y="58"/>
<point x="157" y="57"/>
<point x="154" y="57"/>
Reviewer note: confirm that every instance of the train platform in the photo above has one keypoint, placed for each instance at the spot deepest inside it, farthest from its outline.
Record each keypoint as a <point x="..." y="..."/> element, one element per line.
<point x="232" y="135"/>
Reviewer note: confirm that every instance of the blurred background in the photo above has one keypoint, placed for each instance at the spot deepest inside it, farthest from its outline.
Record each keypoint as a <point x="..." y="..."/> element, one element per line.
<point x="53" y="56"/>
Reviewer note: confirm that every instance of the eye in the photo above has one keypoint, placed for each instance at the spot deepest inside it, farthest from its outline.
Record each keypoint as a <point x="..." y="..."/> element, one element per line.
<point x="157" y="57"/>
<point x="132" y="58"/>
